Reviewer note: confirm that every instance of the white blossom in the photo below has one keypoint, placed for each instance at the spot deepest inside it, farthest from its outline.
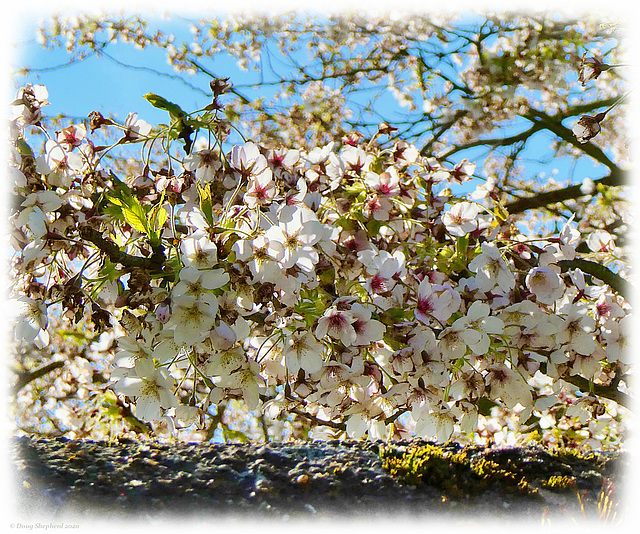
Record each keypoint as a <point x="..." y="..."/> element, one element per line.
<point x="545" y="284"/>
<point x="303" y="351"/>
<point x="150" y="387"/>
<point x="462" y="218"/>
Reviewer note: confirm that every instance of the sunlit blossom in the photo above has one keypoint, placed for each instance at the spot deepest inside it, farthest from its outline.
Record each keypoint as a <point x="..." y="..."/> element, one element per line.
<point x="492" y="270"/>
<point x="205" y="163"/>
<point x="130" y="350"/>
<point x="507" y="385"/>
<point x="192" y="318"/>
<point x="475" y="325"/>
<point x="577" y="329"/>
<point x="248" y="160"/>
<point x="60" y="166"/>
<point x="462" y="171"/>
<point x="303" y="351"/>
<point x="248" y="381"/>
<point x="601" y="241"/>
<point x="545" y="284"/>
<point x="31" y="318"/>
<point x="291" y="241"/>
<point x="438" y="424"/>
<point x="72" y="136"/>
<point x="461" y="219"/>
<point x="439" y="301"/>
<point x="150" y="387"/>
<point x="197" y="283"/>
<point x="136" y="128"/>
<point x="261" y="189"/>
<point x="590" y="69"/>
<point x="338" y="324"/>
<point x="587" y="127"/>
<point x="199" y="251"/>
<point x="367" y="329"/>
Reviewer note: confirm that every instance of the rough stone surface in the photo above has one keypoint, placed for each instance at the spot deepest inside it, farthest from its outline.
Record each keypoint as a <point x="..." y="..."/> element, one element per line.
<point x="67" y="479"/>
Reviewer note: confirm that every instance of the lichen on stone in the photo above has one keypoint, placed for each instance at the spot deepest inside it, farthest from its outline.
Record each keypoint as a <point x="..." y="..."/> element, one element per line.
<point x="559" y="483"/>
<point x="466" y="472"/>
<point x="457" y="474"/>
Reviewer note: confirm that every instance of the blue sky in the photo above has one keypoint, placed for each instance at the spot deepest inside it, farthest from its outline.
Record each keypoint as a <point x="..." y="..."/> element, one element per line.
<point x="99" y="84"/>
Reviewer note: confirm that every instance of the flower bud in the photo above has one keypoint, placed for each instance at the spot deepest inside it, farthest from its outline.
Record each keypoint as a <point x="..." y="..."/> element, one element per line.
<point x="587" y="127"/>
<point x="163" y="313"/>
<point x="222" y="336"/>
<point x="590" y="69"/>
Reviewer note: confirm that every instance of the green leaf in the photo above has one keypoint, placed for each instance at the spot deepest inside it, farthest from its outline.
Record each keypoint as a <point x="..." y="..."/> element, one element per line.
<point x="205" y="203"/>
<point x="162" y="217"/>
<point x="378" y="165"/>
<point x="109" y="271"/>
<point x="228" y="244"/>
<point x="115" y="200"/>
<point x="374" y="226"/>
<point x="484" y="406"/>
<point x="462" y="246"/>
<point x="354" y="190"/>
<point x="181" y="127"/>
<point x="23" y="148"/>
<point x="113" y="211"/>
<point x="159" y="102"/>
<point x="397" y="314"/>
<point x="109" y="397"/>
<point x="155" y="221"/>
<point x="136" y="217"/>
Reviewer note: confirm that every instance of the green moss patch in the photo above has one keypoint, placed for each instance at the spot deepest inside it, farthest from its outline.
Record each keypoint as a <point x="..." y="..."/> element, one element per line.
<point x="466" y="472"/>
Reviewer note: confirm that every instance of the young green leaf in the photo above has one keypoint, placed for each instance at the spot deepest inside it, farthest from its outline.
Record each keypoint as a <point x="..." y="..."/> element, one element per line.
<point x="136" y="219"/>
<point x="159" y="102"/>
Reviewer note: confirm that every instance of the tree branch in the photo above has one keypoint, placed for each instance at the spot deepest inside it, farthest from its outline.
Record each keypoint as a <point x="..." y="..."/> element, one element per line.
<point x="26" y="377"/>
<point x="608" y="392"/>
<point x="616" y="178"/>
<point x="553" y="124"/>
<point x="501" y="141"/>
<point x="599" y="271"/>
<point x="153" y="263"/>
<point x="314" y="419"/>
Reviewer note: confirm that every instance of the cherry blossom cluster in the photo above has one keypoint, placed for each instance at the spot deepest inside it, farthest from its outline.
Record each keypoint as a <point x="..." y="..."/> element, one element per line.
<point x="345" y="285"/>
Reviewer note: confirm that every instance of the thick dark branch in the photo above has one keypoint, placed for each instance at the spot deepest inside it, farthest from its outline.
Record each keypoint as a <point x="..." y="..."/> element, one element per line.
<point x="615" y="281"/>
<point x="553" y="124"/>
<point x="500" y="141"/>
<point x="314" y="419"/>
<point x="153" y="263"/>
<point x="541" y="200"/>
<point x="395" y="416"/>
<point x="29" y="376"/>
<point x="608" y="392"/>
<point x="537" y="126"/>
<point x="583" y="109"/>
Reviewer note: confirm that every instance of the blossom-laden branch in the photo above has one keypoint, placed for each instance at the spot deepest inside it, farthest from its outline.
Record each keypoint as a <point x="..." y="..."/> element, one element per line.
<point x="153" y="263"/>
<point x="610" y="391"/>
<point x="417" y="60"/>
<point x="614" y="280"/>
<point x="320" y="422"/>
